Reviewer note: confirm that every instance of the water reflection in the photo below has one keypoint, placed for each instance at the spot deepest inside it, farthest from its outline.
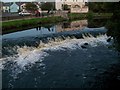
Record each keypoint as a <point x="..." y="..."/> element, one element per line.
<point x="30" y="33"/>
<point x="38" y="28"/>
<point x="75" y="25"/>
<point x="93" y="23"/>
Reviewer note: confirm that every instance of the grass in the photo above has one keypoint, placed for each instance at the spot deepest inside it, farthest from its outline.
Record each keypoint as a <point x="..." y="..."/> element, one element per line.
<point x="90" y="15"/>
<point x="76" y="16"/>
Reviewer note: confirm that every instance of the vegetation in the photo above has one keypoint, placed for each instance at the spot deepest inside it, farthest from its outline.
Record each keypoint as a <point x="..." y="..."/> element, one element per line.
<point x="113" y="24"/>
<point x="65" y="7"/>
<point x="100" y="7"/>
<point x="48" y="6"/>
<point x="76" y="16"/>
<point x="31" y="7"/>
<point x="29" y="23"/>
<point x="90" y="15"/>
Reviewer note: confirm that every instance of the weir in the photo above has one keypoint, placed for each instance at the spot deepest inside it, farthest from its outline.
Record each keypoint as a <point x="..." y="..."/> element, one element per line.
<point x="34" y="41"/>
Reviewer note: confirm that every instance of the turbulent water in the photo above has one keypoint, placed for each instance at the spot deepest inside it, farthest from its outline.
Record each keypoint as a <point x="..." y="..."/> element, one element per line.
<point x="52" y="64"/>
<point x="29" y="55"/>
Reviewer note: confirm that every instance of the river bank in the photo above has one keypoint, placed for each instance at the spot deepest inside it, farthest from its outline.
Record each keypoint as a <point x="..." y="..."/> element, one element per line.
<point x="16" y="25"/>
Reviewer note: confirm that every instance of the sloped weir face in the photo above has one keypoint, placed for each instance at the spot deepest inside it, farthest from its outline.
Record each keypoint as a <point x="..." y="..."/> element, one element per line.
<point x="69" y="60"/>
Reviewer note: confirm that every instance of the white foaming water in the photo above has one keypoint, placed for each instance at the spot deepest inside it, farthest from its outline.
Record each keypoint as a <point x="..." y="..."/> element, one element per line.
<point x="27" y="56"/>
<point x="30" y="55"/>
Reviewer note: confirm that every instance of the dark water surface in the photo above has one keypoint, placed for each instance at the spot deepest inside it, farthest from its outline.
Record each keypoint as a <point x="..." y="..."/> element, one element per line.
<point x="66" y="55"/>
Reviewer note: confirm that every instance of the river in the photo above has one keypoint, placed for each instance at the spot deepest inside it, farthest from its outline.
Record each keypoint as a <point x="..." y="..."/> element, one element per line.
<point x="63" y="55"/>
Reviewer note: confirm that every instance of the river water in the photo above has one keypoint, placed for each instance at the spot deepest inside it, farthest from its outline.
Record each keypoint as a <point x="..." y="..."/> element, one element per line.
<point x="65" y="55"/>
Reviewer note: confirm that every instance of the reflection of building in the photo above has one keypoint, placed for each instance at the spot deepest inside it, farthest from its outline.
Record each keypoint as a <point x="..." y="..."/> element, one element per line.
<point x="75" y="25"/>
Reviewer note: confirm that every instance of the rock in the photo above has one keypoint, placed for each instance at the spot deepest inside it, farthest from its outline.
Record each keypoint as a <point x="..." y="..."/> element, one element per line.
<point x="83" y="46"/>
<point x="85" y="43"/>
<point x="109" y="39"/>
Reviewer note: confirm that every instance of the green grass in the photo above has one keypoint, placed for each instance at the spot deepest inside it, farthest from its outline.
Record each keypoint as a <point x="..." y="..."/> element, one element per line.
<point x="76" y="16"/>
<point x="90" y="15"/>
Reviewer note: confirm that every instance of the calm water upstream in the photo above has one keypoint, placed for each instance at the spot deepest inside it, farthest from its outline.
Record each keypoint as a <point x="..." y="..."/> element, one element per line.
<point x="65" y="55"/>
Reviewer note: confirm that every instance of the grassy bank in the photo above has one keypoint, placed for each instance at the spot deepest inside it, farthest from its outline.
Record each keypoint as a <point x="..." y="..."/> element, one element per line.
<point x="90" y="15"/>
<point x="29" y="23"/>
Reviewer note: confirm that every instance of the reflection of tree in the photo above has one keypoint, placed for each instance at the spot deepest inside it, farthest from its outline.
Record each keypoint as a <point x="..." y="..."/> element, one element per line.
<point x="97" y="22"/>
<point x="38" y="28"/>
<point x="48" y="29"/>
<point x="66" y="25"/>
